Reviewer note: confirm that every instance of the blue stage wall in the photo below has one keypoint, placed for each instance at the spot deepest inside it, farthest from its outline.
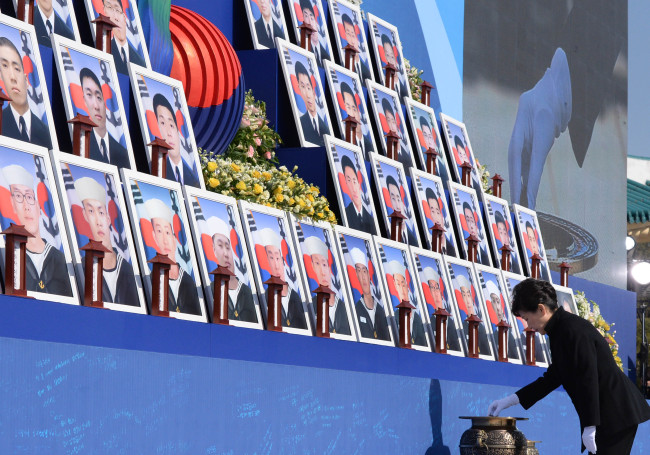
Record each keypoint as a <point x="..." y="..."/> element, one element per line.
<point x="83" y="380"/>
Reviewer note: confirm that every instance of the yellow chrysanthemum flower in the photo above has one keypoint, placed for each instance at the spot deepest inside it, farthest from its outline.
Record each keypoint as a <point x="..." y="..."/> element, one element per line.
<point x="241" y="186"/>
<point x="235" y="167"/>
<point x="213" y="182"/>
<point x="279" y="197"/>
<point x="257" y="188"/>
<point x="212" y="166"/>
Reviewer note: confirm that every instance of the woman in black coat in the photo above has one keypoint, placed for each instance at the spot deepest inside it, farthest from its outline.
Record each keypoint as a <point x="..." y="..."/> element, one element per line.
<point x="609" y="405"/>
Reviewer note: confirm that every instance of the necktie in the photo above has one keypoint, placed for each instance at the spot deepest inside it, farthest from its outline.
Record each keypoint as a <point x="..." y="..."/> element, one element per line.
<point x="313" y="122"/>
<point x="103" y="150"/>
<point x="23" y="130"/>
<point x="268" y="31"/>
<point x="48" y="24"/>
<point x="178" y="175"/>
<point x="124" y="56"/>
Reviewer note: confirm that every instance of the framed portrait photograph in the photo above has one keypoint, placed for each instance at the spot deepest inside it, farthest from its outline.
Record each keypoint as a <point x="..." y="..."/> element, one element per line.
<point x="469" y="220"/>
<point x="566" y="299"/>
<point x="426" y="135"/>
<point x="29" y="198"/>
<point x="432" y="208"/>
<point x="388" y="119"/>
<point x="497" y="305"/>
<point x="273" y="254"/>
<point x="466" y="293"/>
<point x="128" y="43"/>
<point x="347" y="24"/>
<point x="502" y="232"/>
<point x="90" y="87"/>
<point x="322" y="266"/>
<point x="348" y="100"/>
<point x="436" y="292"/>
<point x="306" y="93"/>
<point x="219" y="241"/>
<point x="160" y="226"/>
<point x="163" y="113"/>
<point x="372" y="307"/>
<point x="542" y="353"/>
<point x="394" y="196"/>
<point x="459" y="151"/>
<point x="387" y="49"/>
<point x="310" y="12"/>
<point x="530" y="238"/>
<point x="398" y="275"/>
<point x="94" y="209"/>
<point x="52" y="17"/>
<point x="266" y="21"/>
<point x="27" y="116"/>
<point x="352" y="186"/>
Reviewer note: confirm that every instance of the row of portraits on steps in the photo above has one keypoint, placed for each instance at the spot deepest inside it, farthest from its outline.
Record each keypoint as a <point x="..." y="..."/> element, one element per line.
<point x="89" y="85"/>
<point x="65" y="200"/>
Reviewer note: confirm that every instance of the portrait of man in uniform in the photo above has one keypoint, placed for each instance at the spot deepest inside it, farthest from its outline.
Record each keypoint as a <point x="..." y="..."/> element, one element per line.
<point x="310" y="12"/>
<point x="128" y="44"/>
<point x="435" y="291"/>
<point x="319" y="254"/>
<point x="348" y="30"/>
<point x="122" y="50"/>
<point x="18" y="119"/>
<point x="119" y="282"/>
<point x="267" y="22"/>
<point x="495" y="302"/>
<point x="49" y="19"/>
<point x="402" y="286"/>
<point x="241" y="306"/>
<point x="362" y="140"/>
<point x="177" y="168"/>
<point x="395" y="192"/>
<point x="313" y="126"/>
<point x="502" y="231"/>
<point x="46" y="266"/>
<point x="460" y="151"/>
<point x="371" y="313"/>
<point x="387" y="49"/>
<point x="183" y="296"/>
<point x="470" y="306"/>
<point x="293" y="314"/>
<point x="470" y="221"/>
<point x="358" y="217"/>
<point x="103" y="147"/>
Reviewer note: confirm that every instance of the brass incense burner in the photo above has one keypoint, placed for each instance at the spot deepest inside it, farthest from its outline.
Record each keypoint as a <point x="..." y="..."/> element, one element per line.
<point x="494" y="436"/>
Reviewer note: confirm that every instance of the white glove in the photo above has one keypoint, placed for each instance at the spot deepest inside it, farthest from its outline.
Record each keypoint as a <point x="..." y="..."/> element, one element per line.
<point x="589" y="439"/>
<point x="499" y="405"/>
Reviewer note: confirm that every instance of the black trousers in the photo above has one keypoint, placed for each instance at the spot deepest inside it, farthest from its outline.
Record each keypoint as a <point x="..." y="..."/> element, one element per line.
<point x="619" y="443"/>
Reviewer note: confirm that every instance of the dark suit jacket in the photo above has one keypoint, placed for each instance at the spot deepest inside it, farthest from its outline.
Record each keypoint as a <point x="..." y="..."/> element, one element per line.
<point x="377" y="331"/>
<point x="483" y="255"/>
<point x="53" y="278"/>
<point x="118" y="155"/>
<point x="448" y="246"/>
<point x="310" y="133"/>
<point x="365" y="70"/>
<point x="322" y="53"/>
<point x="602" y="394"/>
<point x="262" y="36"/>
<point x="365" y="224"/>
<point x="417" y="329"/>
<point x="60" y="28"/>
<point x="411" y="238"/>
<point x="188" y="175"/>
<point x="187" y="300"/>
<point x="40" y="134"/>
<point x="120" y="65"/>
